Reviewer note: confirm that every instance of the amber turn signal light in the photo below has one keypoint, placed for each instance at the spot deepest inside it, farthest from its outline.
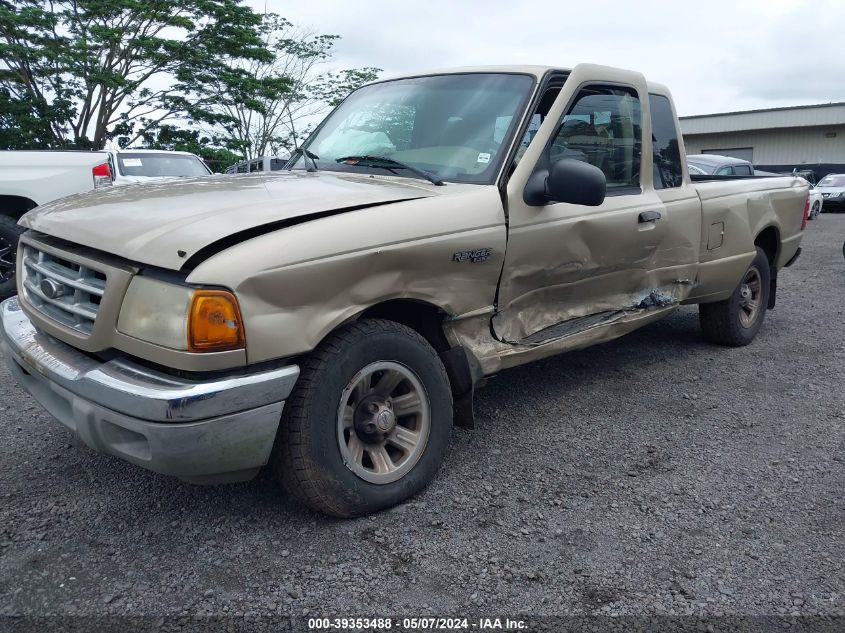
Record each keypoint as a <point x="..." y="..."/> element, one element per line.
<point x="214" y="322"/>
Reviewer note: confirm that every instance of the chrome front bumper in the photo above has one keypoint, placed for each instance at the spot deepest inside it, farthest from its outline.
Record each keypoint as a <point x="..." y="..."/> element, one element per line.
<point x="201" y="431"/>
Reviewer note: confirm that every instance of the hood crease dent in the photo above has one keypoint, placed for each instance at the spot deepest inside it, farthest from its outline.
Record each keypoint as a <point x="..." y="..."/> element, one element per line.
<point x="241" y="236"/>
<point x="176" y="224"/>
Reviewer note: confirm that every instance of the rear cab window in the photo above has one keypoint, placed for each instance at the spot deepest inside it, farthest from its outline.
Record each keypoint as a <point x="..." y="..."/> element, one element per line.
<point x="666" y="155"/>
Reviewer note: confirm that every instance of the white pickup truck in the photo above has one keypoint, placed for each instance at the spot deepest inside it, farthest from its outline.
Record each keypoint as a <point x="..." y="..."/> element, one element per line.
<point x="31" y="178"/>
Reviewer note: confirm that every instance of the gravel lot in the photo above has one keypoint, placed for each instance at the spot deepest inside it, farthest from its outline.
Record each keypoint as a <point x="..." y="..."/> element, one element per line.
<point x="656" y="474"/>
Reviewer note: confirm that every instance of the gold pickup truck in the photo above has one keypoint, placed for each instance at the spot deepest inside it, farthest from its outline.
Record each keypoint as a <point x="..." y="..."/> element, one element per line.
<point x="334" y="318"/>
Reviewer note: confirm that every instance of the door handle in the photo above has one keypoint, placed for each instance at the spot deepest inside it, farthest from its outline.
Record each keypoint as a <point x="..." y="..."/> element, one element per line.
<point x="649" y="216"/>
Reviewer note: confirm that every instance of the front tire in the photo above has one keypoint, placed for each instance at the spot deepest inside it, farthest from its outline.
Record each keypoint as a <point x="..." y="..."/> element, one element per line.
<point x="817" y="208"/>
<point x="368" y="422"/>
<point x="10" y="233"/>
<point x="736" y="320"/>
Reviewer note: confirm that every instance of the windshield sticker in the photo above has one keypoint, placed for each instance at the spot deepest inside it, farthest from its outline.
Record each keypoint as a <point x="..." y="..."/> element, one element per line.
<point x="483" y="157"/>
<point x="132" y="162"/>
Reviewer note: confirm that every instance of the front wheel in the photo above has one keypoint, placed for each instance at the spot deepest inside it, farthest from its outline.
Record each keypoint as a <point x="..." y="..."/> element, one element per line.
<point x="736" y="320"/>
<point x="817" y="208"/>
<point x="368" y="422"/>
<point x="10" y="233"/>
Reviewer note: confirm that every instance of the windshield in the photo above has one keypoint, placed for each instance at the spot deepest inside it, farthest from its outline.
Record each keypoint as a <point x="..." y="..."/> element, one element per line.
<point x="160" y="165"/>
<point x="833" y="180"/>
<point x="454" y="127"/>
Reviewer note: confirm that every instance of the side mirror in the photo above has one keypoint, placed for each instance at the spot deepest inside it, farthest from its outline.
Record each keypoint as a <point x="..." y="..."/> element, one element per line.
<point x="568" y="180"/>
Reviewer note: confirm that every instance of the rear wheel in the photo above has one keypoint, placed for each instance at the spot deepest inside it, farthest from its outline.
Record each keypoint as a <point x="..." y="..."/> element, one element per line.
<point x="736" y="320"/>
<point x="10" y="233"/>
<point x="368" y="422"/>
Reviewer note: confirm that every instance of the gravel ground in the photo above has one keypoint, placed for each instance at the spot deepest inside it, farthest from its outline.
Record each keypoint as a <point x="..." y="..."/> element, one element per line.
<point x="656" y="474"/>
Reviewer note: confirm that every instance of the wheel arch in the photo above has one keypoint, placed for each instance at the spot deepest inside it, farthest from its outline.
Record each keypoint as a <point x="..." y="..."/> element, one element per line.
<point x="427" y="319"/>
<point x="769" y="240"/>
<point x="15" y="206"/>
<point x="421" y="316"/>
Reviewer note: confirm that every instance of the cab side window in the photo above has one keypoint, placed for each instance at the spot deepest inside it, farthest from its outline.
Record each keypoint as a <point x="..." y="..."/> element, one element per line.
<point x="536" y="121"/>
<point x="604" y="128"/>
<point x="666" y="153"/>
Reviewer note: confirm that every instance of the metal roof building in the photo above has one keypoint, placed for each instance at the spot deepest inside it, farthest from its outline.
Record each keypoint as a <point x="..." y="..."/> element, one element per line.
<point x="776" y="139"/>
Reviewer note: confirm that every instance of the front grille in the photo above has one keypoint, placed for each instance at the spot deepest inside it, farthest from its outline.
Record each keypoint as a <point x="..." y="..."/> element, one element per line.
<point x="62" y="290"/>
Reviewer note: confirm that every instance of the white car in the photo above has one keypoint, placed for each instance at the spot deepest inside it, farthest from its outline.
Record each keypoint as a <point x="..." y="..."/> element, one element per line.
<point x="832" y="189"/>
<point x="146" y="165"/>
<point x="816" y="201"/>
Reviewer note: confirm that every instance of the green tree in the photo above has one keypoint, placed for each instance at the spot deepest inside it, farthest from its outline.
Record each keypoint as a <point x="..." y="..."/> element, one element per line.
<point x="287" y="92"/>
<point x="74" y="72"/>
<point x="27" y="123"/>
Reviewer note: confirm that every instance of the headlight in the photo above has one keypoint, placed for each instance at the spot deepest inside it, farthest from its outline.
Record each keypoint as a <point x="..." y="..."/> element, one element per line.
<point x="178" y="317"/>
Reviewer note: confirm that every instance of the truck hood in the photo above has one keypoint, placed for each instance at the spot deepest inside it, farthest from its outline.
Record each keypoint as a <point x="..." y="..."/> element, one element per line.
<point x="165" y="223"/>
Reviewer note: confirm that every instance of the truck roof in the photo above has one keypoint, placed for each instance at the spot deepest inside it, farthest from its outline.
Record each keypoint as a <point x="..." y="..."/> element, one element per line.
<point x="525" y="69"/>
<point x="536" y="70"/>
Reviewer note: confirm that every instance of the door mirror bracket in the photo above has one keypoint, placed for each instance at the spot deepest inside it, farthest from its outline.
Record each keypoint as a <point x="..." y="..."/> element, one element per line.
<point x="568" y="180"/>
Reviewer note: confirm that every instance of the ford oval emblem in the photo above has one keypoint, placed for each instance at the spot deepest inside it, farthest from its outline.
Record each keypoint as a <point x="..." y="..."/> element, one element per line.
<point x="51" y="289"/>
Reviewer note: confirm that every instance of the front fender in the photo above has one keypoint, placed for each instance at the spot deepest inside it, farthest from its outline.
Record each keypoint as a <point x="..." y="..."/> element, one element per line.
<point x="297" y="284"/>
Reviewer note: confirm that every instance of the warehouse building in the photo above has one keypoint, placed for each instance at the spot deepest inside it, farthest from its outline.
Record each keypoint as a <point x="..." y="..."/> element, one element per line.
<point x="778" y="139"/>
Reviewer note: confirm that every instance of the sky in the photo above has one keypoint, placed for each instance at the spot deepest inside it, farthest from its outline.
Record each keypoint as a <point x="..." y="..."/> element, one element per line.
<point x="715" y="56"/>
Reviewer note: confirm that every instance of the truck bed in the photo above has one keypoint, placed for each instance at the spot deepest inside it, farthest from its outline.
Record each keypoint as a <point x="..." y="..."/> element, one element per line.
<point x="735" y="209"/>
<point x="42" y="176"/>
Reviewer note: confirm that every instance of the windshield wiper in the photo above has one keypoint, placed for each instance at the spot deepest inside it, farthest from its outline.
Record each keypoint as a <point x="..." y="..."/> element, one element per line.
<point x="391" y="164"/>
<point x="307" y="154"/>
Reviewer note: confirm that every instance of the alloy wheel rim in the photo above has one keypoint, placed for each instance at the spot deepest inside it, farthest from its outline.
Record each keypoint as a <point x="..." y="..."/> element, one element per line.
<point x="8" y="254"/>
<point x="750" y="296"/>
<point x="383" y="422"/>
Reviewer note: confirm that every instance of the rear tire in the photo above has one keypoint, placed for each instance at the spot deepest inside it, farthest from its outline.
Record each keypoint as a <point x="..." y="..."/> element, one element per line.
<point x="10" y="233"/>
<point x="368" y="422"/>
<point x="736" y="320"/>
